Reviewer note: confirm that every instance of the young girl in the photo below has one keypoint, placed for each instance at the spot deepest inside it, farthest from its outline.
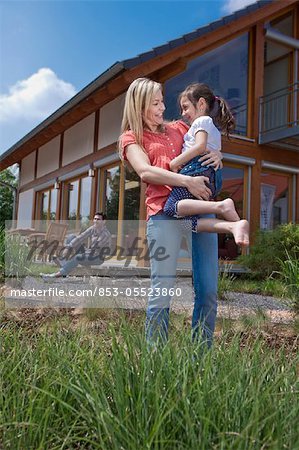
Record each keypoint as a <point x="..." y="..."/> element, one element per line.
<point x="201" y="109"/>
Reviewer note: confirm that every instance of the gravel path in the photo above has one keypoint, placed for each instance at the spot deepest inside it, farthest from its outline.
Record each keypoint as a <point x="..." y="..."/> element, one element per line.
<point x="57" y="293"/>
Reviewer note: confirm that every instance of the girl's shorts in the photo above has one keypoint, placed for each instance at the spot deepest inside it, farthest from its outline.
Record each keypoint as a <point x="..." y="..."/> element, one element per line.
<point x="193" y="169"/>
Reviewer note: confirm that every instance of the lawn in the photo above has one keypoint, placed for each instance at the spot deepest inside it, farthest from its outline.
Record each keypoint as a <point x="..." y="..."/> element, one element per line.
<point x="74" y="382"/>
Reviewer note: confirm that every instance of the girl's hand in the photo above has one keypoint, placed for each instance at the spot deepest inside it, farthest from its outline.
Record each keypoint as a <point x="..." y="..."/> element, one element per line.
<point x="213" y="158"/>
<point x="174" y="166"/>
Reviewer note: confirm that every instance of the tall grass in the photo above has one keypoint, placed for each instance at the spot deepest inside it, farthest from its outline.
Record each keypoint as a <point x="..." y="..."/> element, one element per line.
<point x="66" y="388"/>
<point x="17" y="261"/>
<point x="2" y="251"/>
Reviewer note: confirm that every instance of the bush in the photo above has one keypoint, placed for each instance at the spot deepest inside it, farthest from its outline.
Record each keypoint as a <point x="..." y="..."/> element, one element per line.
<point x="270" y="248"/>
<point x="290" y="275"/>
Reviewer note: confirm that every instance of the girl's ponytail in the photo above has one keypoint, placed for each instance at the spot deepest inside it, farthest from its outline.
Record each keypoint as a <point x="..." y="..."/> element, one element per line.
<point x="223" y="117"/>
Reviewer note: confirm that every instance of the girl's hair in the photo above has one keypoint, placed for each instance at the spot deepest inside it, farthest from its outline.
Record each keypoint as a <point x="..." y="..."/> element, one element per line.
<point x="137" y="102"/>
<point x="218" y="109"/>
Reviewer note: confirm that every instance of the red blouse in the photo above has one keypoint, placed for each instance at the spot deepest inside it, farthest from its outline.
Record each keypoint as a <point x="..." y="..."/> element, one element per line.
<point x="161" y="148"/>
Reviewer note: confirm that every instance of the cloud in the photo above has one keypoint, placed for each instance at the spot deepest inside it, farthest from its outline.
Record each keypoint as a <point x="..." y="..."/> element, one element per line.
<point x="29" y="102"/>
<point x="231" y="6"/>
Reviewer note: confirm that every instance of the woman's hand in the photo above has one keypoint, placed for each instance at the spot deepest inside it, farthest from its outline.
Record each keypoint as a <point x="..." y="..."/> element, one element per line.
<point x="197" y="187"/>
<point x="213" y="158"/>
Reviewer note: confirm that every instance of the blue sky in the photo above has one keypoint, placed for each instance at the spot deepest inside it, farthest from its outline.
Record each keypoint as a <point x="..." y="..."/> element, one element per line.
<point x="50" y="50"/>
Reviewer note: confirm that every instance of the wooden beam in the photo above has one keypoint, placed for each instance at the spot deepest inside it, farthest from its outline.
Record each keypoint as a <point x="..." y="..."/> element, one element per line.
<point x="171" y="70"/>
<point x="255" y="206"/>
<point x="256" y="77"/>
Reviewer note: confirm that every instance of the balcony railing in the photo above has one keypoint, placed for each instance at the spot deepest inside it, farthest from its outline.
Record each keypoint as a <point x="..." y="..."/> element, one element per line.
<point x="278" y="115"/>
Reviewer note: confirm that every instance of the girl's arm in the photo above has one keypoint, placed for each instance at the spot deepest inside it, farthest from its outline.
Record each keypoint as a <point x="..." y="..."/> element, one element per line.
<point x="199" y="148"/>
<point x="155" y="175"/>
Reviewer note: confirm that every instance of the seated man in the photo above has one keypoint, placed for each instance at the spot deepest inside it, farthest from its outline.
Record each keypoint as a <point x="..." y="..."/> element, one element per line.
<point x="100" y="246"/>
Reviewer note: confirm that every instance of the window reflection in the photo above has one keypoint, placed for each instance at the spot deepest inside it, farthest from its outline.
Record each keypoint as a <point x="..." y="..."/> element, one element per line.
<point x="45" y="205"/>
<point x="48" y="204"/>
<point x="233" y="187"/>
<point x="53" y="204"/>
<point x="214" y="69"/>
<point x="73" y="191"/>
<point x="111" y="197"/>
<point x="85" y="201"/>
<point x="131" y="209"/>
<point x="274" y="200"/>
<point x="78" y="205"/>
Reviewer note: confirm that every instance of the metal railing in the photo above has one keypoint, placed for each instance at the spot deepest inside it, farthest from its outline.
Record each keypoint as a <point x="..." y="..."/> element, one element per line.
<point x="279" y="110"/>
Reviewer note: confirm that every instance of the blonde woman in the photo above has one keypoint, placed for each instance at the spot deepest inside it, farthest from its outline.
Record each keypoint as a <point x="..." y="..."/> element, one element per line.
<point x="149" y="144"/>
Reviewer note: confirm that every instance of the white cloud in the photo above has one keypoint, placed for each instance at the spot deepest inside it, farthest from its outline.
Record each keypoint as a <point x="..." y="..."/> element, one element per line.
<point x="231" y="6"/>
<point x="29" y="102"/>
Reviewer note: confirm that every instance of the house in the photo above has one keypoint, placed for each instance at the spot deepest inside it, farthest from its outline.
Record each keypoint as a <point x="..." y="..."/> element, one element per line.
<point x="69" y="166"/>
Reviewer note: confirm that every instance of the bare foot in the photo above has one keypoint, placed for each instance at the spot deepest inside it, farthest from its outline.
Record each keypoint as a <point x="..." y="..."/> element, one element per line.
<point x="240" y="231"/>
<point x="228" y="210"/>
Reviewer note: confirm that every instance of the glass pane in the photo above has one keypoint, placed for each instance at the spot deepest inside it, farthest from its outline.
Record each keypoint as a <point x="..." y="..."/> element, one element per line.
<point x="214" y="69"/>
<point x="44" y="205"/>
<point x="276" y="107"/>
<point x="274" y="200"/>
<point x="233" y="187"/>
<point x="111" y="198"/>
<point x="73" y="192"/>
<point x="85" y="201"/>
<point x="284" y="25"/>
<point x="131" y="209"/>
<point x="53" y="204"/>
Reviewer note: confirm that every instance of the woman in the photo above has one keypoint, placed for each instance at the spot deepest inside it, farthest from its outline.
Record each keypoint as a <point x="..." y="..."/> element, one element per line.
<point x="149" y="144"/>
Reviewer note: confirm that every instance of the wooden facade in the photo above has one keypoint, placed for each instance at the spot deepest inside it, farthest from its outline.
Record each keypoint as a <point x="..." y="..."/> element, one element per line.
<point x="66" y="162"/>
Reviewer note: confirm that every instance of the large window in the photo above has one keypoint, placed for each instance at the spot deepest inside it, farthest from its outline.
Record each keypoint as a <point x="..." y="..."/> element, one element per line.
<point x="215" y="69"/>
<point x="46" y="204"/>
<point x="120" y="200"/>
<point x="131" y="200"/>
<point x="279" y="74"/>
<point x="234" y="184"/>
<point x="78" y="198"/>
<point x="275" y="195"/>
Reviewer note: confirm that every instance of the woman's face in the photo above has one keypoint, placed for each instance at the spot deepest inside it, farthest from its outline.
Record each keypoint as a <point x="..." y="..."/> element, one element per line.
<point x="153" y="117"/>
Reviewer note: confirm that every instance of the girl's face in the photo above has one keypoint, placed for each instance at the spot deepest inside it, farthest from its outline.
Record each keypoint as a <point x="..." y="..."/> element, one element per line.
<point x="153" y="117"/>
<point x="191" y="112"/>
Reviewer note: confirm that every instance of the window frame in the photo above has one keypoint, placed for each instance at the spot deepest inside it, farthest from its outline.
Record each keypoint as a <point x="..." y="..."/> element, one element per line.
<point x="65" y="206"/>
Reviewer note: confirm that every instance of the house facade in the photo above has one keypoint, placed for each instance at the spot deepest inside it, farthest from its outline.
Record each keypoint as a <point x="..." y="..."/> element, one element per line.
<point x="69" y="165"/>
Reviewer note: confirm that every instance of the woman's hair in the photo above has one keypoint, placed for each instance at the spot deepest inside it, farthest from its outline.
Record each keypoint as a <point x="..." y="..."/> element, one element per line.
<point x="137" y="102"/>
<point x="218" y="109"/>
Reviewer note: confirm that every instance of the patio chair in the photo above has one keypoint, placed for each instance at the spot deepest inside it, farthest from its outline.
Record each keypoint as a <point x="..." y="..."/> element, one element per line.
<point x="53" y="240"/>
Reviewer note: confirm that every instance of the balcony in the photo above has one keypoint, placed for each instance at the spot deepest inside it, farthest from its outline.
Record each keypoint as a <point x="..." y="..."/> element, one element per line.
<point x="278" y="118"/>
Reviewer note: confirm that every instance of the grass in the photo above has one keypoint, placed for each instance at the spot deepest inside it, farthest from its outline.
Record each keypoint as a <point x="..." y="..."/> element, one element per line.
<point x="271" y="287"/>
<point x="66" y="383"/>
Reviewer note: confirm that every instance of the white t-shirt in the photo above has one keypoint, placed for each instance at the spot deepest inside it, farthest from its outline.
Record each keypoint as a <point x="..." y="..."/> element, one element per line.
<point x="203" y="123"/>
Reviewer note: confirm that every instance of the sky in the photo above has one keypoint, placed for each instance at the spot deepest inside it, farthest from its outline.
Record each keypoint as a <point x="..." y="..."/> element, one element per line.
<point x="50" y="50"/>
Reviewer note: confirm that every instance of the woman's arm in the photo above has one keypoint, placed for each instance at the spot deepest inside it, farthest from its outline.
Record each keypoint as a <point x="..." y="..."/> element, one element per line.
<point x="155" y="175"/>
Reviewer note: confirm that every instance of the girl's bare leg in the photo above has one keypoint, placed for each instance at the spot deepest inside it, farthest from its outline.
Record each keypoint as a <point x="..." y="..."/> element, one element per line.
<point x="225" y="208"/>
<point x="239" y="229"/>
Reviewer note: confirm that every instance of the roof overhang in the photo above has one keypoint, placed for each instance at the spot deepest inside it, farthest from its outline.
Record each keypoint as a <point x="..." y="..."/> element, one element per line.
<point x="155" y="63"/>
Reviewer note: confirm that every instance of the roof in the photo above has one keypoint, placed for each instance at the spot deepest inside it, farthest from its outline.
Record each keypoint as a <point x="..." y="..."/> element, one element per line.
<point x="6" y="159"/>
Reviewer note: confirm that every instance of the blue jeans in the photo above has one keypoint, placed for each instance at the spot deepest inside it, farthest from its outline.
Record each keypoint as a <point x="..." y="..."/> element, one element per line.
<point x="166" y="232"/>
<point x="82" y="259"/>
